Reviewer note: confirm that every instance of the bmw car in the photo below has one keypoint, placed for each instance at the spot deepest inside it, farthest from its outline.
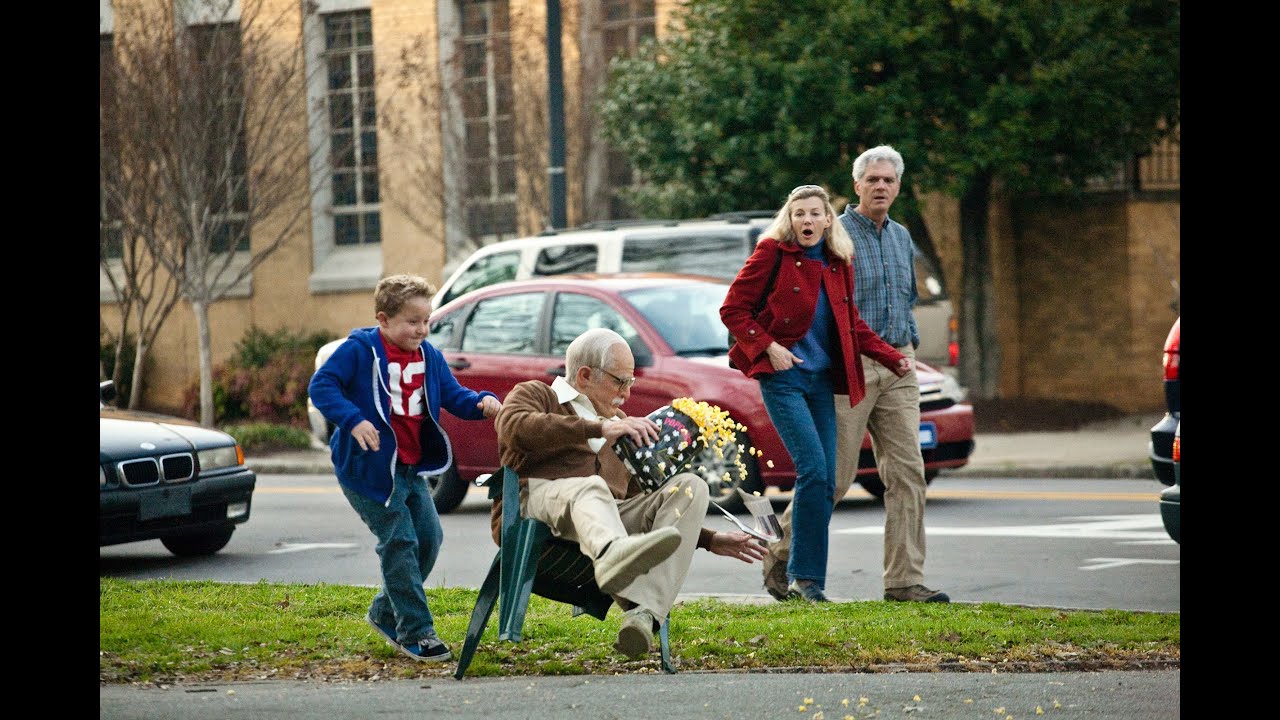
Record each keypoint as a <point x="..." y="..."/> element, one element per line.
<point x="168" y="479"/>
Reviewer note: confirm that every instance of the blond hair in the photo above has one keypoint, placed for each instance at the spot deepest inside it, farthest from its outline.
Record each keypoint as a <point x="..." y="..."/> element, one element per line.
<point x="838" y="240"/>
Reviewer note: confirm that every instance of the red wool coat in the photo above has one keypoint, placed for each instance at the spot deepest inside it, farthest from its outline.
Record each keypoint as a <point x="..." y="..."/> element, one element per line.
<point x="788" y="313"/>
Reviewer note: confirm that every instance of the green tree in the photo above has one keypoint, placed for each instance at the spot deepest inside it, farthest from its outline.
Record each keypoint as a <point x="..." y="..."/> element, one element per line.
<point x="1035" y="96"/>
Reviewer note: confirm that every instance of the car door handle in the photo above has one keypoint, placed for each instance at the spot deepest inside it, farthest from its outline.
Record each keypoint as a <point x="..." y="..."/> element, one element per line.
<point x="460" y="364"/>
<point x="558" y="370"/>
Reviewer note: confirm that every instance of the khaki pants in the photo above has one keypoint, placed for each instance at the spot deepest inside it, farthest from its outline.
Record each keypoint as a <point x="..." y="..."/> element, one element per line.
<point x="582" y="510"/>
<point x="891" y="412"/>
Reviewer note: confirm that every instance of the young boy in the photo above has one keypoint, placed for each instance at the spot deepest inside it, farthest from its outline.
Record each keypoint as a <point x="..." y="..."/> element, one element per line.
<point x="383" y="389"/>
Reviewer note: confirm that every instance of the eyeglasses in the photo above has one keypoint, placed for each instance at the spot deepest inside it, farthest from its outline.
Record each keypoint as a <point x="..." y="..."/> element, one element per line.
<point x="622" y="384"/>
<point x="798" y="188"/>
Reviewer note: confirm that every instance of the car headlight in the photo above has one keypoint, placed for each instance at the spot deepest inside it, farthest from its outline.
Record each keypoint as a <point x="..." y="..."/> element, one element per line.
<point x="222" y="457"/>
<point x="947" y="387"/>
<point x="102" y="477"/>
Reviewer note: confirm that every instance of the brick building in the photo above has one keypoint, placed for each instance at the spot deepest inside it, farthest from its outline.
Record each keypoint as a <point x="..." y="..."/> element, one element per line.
<point x="444" y="147"/>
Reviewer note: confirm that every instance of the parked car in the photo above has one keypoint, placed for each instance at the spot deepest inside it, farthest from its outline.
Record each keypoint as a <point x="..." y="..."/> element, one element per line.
<point x="715" y="246"/>
<point x="169" y="479"/>
<point x="506" y="333"/>
<point x="1171" y="497"/>
<point x="1160" y="447"/>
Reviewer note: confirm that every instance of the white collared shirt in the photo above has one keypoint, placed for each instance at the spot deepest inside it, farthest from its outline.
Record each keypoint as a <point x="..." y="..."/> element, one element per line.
<point x="581" y="404"/>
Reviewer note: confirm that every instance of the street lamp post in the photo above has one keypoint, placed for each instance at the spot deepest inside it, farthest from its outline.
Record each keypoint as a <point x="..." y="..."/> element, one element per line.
<point x="555" y="110"/>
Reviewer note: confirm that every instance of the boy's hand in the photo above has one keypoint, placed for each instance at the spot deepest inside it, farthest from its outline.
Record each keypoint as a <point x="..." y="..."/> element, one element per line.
<point x="489" y="405"/>
<point x="366" y="435"/>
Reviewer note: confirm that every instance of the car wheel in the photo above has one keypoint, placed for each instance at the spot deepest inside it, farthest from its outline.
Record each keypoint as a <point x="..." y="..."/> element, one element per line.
<point x="206" y="543"/>
<point x="873" y="485"/>
<point x="447" y="490"/>
<point x="724" y="492"/>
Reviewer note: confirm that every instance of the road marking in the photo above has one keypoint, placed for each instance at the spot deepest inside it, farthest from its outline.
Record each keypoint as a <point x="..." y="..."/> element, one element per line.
<point x="1146" y="527"/>
<point x="299" y="547"/>
<point x="1153" y="496"/>
<point x="297" y="490"/>
<point x="1104" y="563"/>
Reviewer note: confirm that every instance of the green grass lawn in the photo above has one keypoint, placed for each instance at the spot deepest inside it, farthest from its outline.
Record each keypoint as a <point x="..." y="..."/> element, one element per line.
<point x="161" y="631"/>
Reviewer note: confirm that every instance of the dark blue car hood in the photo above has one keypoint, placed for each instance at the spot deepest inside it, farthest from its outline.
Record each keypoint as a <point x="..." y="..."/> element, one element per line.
<point x="122" y="438"/>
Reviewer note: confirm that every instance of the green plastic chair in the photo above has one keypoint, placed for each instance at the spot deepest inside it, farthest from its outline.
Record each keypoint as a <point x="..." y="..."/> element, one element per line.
<point x="533" y="561"/>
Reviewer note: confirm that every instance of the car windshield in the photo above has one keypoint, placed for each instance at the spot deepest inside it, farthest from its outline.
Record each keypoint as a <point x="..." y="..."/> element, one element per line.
<point x="687" y="316"/>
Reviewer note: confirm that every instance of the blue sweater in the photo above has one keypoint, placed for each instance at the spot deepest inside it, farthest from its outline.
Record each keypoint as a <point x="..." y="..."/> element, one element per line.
<point x="352" y="386"/>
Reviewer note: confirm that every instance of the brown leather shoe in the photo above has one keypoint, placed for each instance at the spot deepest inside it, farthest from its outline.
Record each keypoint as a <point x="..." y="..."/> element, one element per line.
<point x="915" y="593"/>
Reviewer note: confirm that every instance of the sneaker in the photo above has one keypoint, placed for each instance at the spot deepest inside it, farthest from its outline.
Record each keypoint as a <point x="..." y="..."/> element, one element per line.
<point x="915" y="593"/>
<point x="386" y="630"/>
<point x="428" y="649"/>
<point x="775" y="577"/>
<point x="807" y="591"/>
<point x="635" y="637"/>
<point x="630" y="557"/>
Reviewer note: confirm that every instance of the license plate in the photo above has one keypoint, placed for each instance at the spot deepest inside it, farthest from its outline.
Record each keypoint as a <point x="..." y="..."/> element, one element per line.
<point x="928" y="435"/>
<point x="165" y="502"/>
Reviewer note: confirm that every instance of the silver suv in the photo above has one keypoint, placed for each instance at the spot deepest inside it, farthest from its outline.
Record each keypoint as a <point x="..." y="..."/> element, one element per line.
<point x="715" y="246"/>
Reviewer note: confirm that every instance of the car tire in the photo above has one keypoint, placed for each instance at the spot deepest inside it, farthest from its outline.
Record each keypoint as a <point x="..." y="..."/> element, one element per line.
<point x="873" y="485"/>
<point x="206" y="543"/>
<point x="725" y="494"/>
<point x="447" y="490"/>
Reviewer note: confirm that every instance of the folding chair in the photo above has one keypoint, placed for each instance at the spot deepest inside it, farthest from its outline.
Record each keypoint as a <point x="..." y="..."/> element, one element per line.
<point x="532" y="560"/>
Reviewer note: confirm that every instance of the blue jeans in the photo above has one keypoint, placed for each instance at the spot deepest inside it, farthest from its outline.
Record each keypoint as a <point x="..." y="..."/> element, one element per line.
<point x="409" y="536"/>
<point x="801" y="405"/>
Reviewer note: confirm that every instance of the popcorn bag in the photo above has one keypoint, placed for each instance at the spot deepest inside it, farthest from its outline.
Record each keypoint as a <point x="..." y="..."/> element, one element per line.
<point x="679" y="442"/>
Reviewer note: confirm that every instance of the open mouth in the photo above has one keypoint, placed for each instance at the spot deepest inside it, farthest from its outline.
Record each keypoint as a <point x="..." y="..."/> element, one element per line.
<point x="807" y="232"/>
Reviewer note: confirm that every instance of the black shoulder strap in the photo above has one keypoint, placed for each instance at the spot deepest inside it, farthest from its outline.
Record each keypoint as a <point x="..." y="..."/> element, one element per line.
<point x="768" y="286"/>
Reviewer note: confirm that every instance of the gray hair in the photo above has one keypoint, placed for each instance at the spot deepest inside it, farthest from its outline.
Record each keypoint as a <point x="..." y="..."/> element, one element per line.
<point x="874" y="155"/>
<point x="590" y="349"/>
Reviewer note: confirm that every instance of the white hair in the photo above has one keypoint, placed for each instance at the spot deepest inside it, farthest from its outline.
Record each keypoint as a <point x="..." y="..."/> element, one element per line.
<point x="590" y="349"/>
<point x="874" y="155"/>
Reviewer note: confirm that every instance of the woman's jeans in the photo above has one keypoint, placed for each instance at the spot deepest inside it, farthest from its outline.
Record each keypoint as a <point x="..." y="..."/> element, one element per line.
<point x="801" y="405"/>
<point x="409" y="536"/>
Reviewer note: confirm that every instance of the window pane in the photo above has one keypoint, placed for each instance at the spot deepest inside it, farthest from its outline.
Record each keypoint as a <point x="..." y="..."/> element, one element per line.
<point x="340" y="110"/>
<point x="372" y="228"/>
<point x="574" y="314"/>
<point x="339" y="72"/>
<point x="717" y="255"/>
<point x="346" y="230"/>
<point x="488" y="270"/>
<point x="478" y="179"/>
<point x="369" y="187"/>
<point x="344" y="188"/>
<point x="364" y="69"/>
<point x="506" y="324"/>
<point x="566" y="259"/>
<point x="368" y="109"/>
<point x="369" y="148"/>
<point x="343" y="151"/>
<point x="337" y="31"/>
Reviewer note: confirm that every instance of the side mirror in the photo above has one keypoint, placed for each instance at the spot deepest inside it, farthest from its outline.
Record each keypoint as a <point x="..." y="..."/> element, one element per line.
<point x="106" y="391"/>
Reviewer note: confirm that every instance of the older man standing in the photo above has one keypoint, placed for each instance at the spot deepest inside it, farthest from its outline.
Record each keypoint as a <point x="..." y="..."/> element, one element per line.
<point x="885" y="293"/>
<point x="558" y="438"/>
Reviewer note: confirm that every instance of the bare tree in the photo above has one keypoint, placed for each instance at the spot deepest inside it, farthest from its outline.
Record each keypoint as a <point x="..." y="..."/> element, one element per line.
<point x="452" y="143"/>
<point x="210" y="112"/>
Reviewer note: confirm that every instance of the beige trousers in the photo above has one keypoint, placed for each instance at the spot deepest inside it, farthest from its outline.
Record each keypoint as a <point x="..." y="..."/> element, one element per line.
<point x="891" y="412"/>
<point x="582" y="510"/>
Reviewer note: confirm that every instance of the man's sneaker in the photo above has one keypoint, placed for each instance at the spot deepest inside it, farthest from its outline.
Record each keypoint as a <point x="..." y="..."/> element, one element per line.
<point x="629" y="557"/>
<point x="387" y="631"/>
<point x="775" y="577"/>
<point x="430" y="649"/>
<point x="915" y="593"/>
<point x="807" y="590"/>
<point x="635" y="637"/>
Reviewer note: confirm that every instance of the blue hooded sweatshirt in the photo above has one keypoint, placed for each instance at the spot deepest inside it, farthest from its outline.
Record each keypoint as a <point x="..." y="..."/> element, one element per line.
<point x="353" y="386"/>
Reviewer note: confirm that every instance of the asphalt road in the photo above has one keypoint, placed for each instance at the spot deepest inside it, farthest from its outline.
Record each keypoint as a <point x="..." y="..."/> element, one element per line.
<point x="1066" y="543"/>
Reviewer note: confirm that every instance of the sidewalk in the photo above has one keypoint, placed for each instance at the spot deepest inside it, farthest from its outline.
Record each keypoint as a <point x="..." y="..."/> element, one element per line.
<point x="1113" y="449"/>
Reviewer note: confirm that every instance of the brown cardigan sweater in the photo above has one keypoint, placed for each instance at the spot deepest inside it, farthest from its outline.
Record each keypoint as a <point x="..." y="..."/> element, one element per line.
<point x="540" y="437"/>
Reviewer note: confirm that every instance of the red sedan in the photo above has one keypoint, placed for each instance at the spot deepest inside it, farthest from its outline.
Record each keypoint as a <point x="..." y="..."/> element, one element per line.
<point x="507" y="333"/>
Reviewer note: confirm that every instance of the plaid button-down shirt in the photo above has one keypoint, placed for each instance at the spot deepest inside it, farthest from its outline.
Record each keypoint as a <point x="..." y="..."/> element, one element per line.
<point x="884" y="277"/>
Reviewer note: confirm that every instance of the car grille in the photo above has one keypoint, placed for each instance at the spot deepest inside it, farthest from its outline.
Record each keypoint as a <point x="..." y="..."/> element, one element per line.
<point x="147" y="471"/>
<point x="932" y="398"/>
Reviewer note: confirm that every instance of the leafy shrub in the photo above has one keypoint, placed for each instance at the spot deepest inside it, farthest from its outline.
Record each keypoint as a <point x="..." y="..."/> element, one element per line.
<point x="264" y="381"/>
<point x="265" y="436"/>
